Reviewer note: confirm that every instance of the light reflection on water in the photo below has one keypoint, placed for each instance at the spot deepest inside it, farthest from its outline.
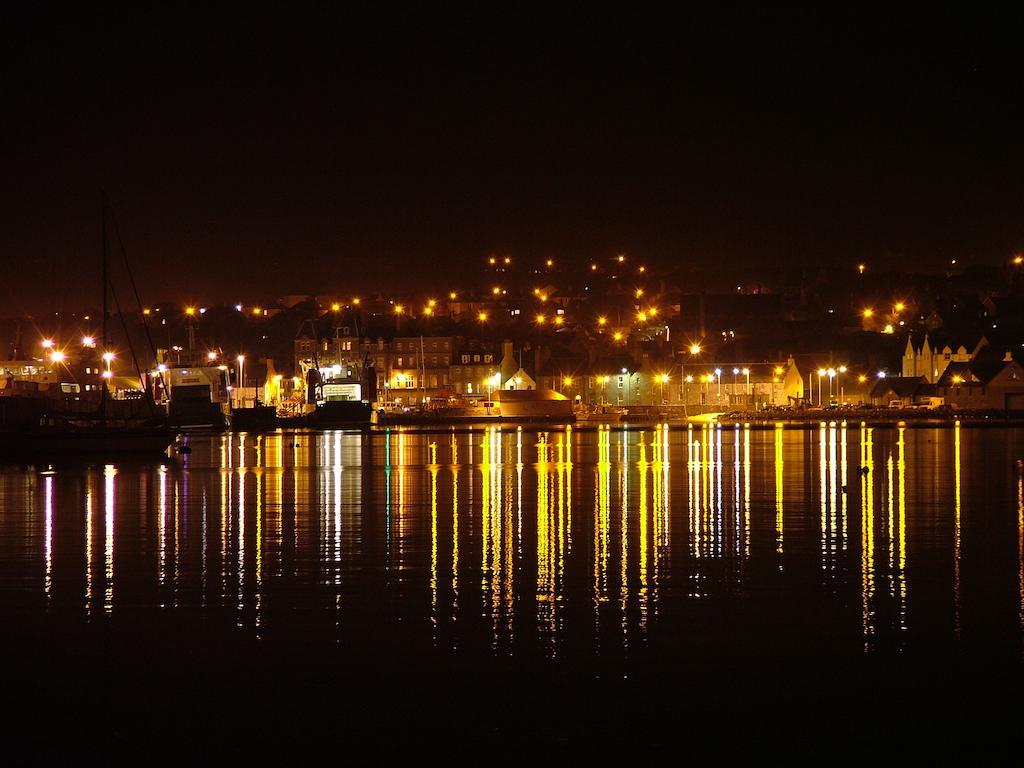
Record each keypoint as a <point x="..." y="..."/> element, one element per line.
<point x="509" y="541"/>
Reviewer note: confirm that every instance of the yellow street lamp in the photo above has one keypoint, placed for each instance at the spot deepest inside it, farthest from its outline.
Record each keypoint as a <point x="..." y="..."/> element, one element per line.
<point x="47" y="343"/>
<point x="88" y="341"/>
<point x="868" y="312"/>
<point x="602" y="321"/>
<point x="190" y="311"/>
<point x="335" y="307"/>
<point x="481" y="317"/>
<point x="559" y="320"/>
<point x="617" y="336"/>
<point x="57" y="356"/>
<point x="399" y="309"/>
<point x="695" y="349"/>
<point x="900" y="306"/>
<point x="540" y="319"/>
<point x="355" y="300"/>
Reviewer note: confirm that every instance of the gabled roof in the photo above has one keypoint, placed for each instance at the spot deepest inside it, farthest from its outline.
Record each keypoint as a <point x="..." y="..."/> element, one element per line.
<point x="901" y="386"/>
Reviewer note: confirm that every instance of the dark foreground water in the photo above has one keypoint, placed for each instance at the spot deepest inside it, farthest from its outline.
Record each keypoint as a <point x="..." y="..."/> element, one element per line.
<point x="704" y="592"/>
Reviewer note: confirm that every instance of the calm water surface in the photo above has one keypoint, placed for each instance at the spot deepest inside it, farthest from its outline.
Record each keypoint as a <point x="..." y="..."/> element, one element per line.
<point x="603" y="573"/>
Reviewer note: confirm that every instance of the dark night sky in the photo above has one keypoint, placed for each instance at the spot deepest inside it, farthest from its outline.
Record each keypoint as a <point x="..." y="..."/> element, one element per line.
<point x="248" y="156"/>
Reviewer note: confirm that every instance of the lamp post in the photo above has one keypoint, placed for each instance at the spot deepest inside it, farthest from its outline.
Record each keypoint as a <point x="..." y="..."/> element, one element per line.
<point x="241" y="380"/>
<point x="839" y="383"/>
<point x="746" y="388"/>
<point x="718" y="376"/>
<point x="821" y="374"/>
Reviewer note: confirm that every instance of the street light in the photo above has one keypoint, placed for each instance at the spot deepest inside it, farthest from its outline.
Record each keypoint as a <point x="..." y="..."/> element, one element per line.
<point x="821" y="374"/>
<point x="241" y="371"/>
<point x="718" y="375"/>
<point x="663" y="378"/>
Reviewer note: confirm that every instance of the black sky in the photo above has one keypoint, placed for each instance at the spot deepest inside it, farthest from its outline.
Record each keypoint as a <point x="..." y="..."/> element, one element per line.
<point x="248" y="156"/>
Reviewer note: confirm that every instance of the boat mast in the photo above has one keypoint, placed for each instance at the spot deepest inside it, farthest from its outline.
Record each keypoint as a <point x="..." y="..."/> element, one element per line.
<point x="103" y="227"/>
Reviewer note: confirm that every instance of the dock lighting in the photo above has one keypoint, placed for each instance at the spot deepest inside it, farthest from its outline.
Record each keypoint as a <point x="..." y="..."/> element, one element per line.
<point x="888" y="328"/>
<point x="399" y="309"/>
<point x="881" y="374"/>
<point x="958" y="379"/>
<point x="867" y="313"/>
<point x="47" y="343"/>
<point x="481" y="317"/>
<point x="862" y="378"/>
<point x="653" y="311"/>
<point x="831" y="372"/>
<point x="689" y="379"/>
<point x="695" y="349"/>
<point x="745" y="371"/>
<point x="240" y="359"/>
<point x="718" y="371"/>
<point x="108" y="356"/>
<point x="821" y="372"/>
<point x="735" y="371"/>
<point x="222" y="367"/>
<point x="190" y="311"/>
<point x="1018" y="260"/>
<point x="508" y="259"/>
<point x="496" y="290"/>
<point x="107" y="374"/>
<point x="602" y="321"/>
<point x="663" y="378"/>
<point x="145" y="311"/>
<point x="211" y="355"/>
<point x="621" y="258"/>
<point x="642" y="269"/>
<point x="641" y="316"/>
<point x="452" y="295"/>
<point x="492" y="260"/>
<point x="257" y="311"/>
<point x="593" y="267"/>
<point x="550" y="262"/>
<point x="559" y="320"/>
<point x="431" y="303"/>
<point x="861" y="268"/>
<point x="543" y="297"/>
<point x="88" y="341"/>
<point x="540" y="319"/>
<point x="355" y="301"/>
<point x="567" y="381"/>
<point x="428" y="311"/>
<point x="842" y="369"/>
<point x="779" y="370"/>
<point x="624" y="370"/>
<point x="161" y="368"/>
<point x="899" y="306"/>
<point x="639" y="292"/>
<point x="335" y="307"/>
<point x="238" y="308"/>
<point x="57" y="356"/>
<point x="617" y="336"/>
